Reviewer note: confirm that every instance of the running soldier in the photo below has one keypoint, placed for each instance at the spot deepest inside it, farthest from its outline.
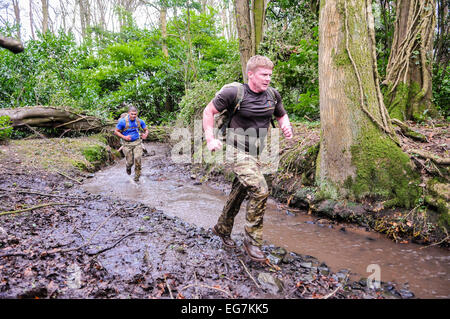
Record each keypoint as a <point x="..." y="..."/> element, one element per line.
<point x="128" y="129"/>
<point x="253" y="111"/>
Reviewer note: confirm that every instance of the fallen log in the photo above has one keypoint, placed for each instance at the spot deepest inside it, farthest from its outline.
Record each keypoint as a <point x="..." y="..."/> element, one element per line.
<point x="53" y="117"/>
<point x="13" y="45"/>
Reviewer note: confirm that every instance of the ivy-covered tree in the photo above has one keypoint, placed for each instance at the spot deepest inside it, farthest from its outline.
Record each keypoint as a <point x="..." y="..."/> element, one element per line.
<point x="409" y="70"/>
<point x="359" y="157"/>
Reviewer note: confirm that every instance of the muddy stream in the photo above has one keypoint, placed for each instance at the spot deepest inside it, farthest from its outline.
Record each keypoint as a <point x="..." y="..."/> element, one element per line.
<point x="166" y="187"/>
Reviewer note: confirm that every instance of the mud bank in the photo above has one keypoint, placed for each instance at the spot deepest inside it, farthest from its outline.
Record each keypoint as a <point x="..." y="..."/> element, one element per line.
<point x="58" y="241"/>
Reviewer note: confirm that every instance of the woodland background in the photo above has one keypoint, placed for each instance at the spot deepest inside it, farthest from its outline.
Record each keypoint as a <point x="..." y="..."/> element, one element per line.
<point x="168" y="57"/>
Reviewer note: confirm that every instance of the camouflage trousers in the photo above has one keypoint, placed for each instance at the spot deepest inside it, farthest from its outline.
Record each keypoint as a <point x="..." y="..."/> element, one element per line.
<point x="249" y="181"/>
<point x="133" y="155"/>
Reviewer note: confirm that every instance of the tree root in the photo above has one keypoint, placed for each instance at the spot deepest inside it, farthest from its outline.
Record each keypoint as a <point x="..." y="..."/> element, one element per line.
<point x="407" y="131"/>
<point x="427" y="155"/>
<point x="32" y="208"/>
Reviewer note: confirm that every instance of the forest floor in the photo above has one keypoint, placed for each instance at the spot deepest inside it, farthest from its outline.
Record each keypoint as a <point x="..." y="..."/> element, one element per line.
<point x="58" y="241"/>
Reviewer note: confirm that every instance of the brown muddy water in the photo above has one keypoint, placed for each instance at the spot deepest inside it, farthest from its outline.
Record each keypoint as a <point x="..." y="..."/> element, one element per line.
<point x="170" y="188"/>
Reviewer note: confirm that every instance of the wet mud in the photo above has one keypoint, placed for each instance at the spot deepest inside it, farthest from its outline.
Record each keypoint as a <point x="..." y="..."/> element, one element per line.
<point x="57" y="240"/>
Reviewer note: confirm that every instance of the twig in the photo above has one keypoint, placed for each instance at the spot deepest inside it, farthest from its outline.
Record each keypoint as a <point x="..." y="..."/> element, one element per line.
<point x="36" y="132"/>
<point x="434" y="244"/>
<point x="196" y="292"/>
<point x="71" y="122"/>
<point x="32" y="208"/>
<point x="168" y="286"/>
<point x="117" y="242"/>
<point x="334" y="291"/>
<point x="89" y="240"/>
<point x="331" y="293"/>
<point x="206" y="286"/>
<point x="13" y="254"/>
<point x="38" y="193"/>
<point x="72" y="179"/>
<point x="246" y="270"/>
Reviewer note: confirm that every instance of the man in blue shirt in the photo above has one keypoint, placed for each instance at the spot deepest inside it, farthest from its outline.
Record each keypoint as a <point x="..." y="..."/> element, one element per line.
<point x="128" y="129"/>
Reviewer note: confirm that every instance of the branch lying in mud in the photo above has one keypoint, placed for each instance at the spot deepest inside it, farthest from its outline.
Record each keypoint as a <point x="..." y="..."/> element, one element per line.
<point x="72" y="179"/>
<point x="331" y="293"/>
<point x="59" y="250"/>
<point x="206" y="286"/>
<point x="86" y="243"/>
<point x="13" y="255"/>
<point x="29" y="192"/>
<point x="117" y="242"/>
<point x="90" y="239"/>
<point x="33" y="208"/>
<point x="250" y="275"/>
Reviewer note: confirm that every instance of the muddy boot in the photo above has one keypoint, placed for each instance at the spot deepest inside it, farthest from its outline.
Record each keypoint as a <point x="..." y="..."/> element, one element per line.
<point x="254" y="252"/>
<point x="226" y="239"/>
<point x="129" y="170"/>
<point x="136" y="178"/>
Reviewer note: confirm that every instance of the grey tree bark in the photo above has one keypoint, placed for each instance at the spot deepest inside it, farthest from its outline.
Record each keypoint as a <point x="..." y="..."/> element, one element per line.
<point x="358" y="155"/>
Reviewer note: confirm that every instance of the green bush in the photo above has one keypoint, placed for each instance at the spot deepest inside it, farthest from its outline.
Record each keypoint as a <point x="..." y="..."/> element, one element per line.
<point x="5" y="127"/>
<point x="95" y="154"/>
<point x="195" y="100"/>
<point x="293" y="46"/>
<point x="441" y="90"/>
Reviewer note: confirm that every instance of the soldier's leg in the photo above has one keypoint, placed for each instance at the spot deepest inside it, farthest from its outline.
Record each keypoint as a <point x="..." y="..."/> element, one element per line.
<point x="231" y="208"/>
<point x="137" y="161"/>
<point x="128" y="152"/>
<point x="250" y="175"/>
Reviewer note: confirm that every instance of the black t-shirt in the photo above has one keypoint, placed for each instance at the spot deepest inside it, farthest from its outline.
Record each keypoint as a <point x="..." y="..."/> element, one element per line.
<point x="255" y="111"/>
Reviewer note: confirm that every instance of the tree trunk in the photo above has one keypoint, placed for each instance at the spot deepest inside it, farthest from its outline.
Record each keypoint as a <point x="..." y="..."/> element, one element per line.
<point x="244" y="28"/>
<point x="408" y="74"/>
<point x="83" y="21"/>
<point x="259" y="13"/>
<point x="101" y="8"/>
<point x="33" y="36"/>
<point x="442" y="41"/>
<point x="44" y="16"/>
<point x="17" y="15"/>
<point x="40" y="116"/>
<point x="358" y="157"/>
<point x="63" y="14"/>
<point x="190" y="74"/>
<point x="163" y="22"/>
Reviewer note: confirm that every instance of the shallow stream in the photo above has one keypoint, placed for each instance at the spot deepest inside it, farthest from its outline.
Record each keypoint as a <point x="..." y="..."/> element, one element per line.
<point x="423" y="270"/>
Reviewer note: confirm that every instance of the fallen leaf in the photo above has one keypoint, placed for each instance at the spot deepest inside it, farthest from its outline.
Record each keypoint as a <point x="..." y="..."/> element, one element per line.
<point x="28" y="272"/>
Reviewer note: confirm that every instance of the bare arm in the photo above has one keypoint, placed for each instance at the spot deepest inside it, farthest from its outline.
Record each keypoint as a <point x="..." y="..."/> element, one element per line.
<point x="119" y="134"/>
<point x="208" y="126"/>
<point x="285" y="126"/>
<point x="144" y="136"/>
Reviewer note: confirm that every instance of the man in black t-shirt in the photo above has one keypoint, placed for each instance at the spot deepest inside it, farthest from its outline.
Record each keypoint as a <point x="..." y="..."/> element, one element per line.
<point x="254" y="114"/>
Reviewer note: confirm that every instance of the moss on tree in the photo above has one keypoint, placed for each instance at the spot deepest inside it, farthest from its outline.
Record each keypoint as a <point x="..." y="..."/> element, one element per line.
<point x="383" y="170"/>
